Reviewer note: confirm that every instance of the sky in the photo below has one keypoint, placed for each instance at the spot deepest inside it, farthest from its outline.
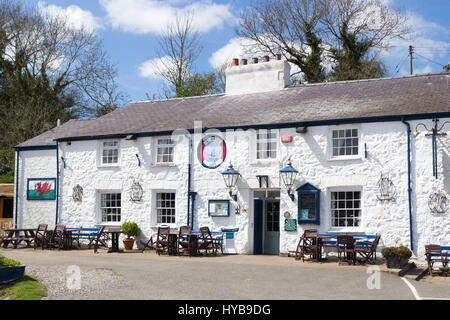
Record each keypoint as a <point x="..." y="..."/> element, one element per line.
<point x="130" y="29"/>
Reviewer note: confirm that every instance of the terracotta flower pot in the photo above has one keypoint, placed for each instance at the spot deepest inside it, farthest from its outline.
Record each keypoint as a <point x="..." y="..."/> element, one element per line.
<point x="128" y="244"/>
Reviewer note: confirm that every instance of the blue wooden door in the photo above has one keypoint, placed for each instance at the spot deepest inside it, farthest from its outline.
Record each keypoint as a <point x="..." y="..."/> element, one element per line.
<point x="258" y="227"/>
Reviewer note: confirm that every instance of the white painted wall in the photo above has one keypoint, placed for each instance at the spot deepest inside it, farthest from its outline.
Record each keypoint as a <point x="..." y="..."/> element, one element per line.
<point x="35" y="164"/>
<point x="386" y="153"/>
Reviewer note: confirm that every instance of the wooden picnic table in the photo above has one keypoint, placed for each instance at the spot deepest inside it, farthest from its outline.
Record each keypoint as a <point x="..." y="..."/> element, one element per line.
<point x="15" y="238"/>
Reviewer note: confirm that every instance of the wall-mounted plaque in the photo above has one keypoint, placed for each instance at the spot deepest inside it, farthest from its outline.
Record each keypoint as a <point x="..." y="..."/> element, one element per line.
<point x="290" y="225"/>
<point x="219" y="208"/>
<point x="212" y="151"/>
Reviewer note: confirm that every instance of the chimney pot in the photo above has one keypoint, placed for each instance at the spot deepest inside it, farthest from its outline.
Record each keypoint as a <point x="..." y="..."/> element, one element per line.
<point x="266" y="58"/>
<point x="235" y="62"/>
<point x="243" y="62"/>
<point x="255" y="60"/>
<point x="278" y="56"/>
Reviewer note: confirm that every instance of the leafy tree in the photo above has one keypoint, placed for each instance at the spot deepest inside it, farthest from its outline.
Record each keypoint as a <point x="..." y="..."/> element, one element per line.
<point x="199" y="85"/>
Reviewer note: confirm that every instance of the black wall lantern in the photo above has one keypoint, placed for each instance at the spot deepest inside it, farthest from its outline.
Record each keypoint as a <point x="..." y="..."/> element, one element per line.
<point x="288" y="175"/>
<point x="230" y="177"/>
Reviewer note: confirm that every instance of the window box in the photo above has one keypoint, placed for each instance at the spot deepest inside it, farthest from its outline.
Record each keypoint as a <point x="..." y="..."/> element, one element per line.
<point x="308" y="204"/>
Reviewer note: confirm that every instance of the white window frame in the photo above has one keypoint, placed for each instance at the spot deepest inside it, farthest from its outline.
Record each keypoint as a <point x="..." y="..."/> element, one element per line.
<point x="253" y="147"/>
<point x="100" y="206"/>
<point x="155" y="151"/>
<point x="156" y="207"/>
<point x="360" y="228"/>
<point x="358" y="156"/>
<point x="100" y="154"/>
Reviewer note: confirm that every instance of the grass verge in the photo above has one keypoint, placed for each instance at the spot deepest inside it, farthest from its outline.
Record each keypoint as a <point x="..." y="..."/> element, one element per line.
<point x="26" y="288"/>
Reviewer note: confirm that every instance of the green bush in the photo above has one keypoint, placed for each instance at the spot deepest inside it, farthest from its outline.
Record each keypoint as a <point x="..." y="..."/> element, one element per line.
<point x="130" y="229"/>
<point x="5" y="262"/>
<point x="398" y="253"/>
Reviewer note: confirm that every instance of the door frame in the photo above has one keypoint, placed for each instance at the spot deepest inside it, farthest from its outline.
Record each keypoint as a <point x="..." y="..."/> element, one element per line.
<point x="259" y="208"/>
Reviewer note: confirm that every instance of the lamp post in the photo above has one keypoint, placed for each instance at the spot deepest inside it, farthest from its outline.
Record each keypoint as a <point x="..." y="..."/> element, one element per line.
<point x="288" y="175"/>
<point x="435" y="131"/>
<point x="230" y="177"/>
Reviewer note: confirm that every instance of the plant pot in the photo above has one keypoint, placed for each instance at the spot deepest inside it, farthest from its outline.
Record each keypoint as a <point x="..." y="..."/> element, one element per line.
<point x="128" y="244"/>
<point x="394" y="263"/>
<point x="8" y="274"/>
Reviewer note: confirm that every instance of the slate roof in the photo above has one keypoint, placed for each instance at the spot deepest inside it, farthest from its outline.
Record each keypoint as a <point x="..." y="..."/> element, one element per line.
<point x="411" y="95"/>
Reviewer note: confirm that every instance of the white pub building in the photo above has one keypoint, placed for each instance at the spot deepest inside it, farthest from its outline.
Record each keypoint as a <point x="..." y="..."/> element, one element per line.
<point x="266" y="159"/>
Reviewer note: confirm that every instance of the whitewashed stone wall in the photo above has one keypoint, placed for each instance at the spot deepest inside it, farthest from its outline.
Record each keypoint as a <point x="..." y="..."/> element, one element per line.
<point x="385" y="143"/>
<point x="35" y="164"/>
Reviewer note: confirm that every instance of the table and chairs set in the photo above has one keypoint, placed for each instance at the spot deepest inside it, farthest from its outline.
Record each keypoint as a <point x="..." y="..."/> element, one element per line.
<point x="185" y="241"/>
<point x="347" y="246"/>
<point x="62" y="237"/>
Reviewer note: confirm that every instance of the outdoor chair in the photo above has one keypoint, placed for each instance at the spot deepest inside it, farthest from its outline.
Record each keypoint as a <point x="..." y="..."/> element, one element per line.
<point x="40" y="236"/>
<point x="309" y="245"/>
<point x="149" y="244"/>
<point x="346" y="249"/>
<point x="184" y="242"/>
<point x="162" y="240"/>
<point x="206" y="241"/>
<point x="57" y="237"/>
<point x="368" y="250"/>
<point x="100" y="239"/>
<point x="218" y="243"/>
<point x="434" y="254"/>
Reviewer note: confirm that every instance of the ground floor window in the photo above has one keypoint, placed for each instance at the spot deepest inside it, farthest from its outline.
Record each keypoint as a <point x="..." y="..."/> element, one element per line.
<point x="346" y="208"/>
<point x="165" y="207"/>
<point x="110" y="206"/>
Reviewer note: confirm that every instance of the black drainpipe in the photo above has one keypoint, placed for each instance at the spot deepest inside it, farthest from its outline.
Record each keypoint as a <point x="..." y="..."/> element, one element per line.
<point x="17" y="186"/>
<point x="189" y="182"/>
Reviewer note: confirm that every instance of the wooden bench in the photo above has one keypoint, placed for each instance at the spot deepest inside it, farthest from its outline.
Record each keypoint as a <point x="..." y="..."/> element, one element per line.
<point x="436" y="253"/>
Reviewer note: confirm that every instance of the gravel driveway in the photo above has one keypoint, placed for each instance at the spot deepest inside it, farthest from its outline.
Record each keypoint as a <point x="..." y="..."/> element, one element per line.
<point x="135" y="275"/>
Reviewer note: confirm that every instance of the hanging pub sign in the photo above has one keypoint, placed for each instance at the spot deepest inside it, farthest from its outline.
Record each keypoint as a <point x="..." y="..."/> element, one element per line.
<point x="438" y="202"/>
<point x="212" y="151"/>
<point x="41" y="189"/>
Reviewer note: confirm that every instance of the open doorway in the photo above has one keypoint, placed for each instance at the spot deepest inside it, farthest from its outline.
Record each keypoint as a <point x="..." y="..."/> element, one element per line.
<point x="266" y="222"/>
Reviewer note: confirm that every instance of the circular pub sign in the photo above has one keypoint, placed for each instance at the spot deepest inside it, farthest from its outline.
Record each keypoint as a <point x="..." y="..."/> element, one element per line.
<point x="212" y="151"/>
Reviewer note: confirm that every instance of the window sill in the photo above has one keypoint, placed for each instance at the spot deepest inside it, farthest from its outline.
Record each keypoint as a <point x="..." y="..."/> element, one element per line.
<point x="162" y="165"/>
<point x="343" y="158"/>
<point x="108" y="166"/>
<point x="263" y="162"/>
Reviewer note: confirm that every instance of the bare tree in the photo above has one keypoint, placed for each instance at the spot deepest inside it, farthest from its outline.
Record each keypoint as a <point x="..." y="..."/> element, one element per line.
<point x="179" y="47"/>
<point x="289" y="27"/>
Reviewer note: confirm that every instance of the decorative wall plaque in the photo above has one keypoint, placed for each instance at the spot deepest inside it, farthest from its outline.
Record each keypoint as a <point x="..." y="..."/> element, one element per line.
<point x="77" y="193"/>
<point x="386" y="189"/>
<point x="290" y="225"/>
<point x="438" y="202"/>
<point x="136" y="192"/>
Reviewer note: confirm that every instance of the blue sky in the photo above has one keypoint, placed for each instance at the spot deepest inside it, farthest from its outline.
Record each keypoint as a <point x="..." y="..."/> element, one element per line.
<point x="129" y="30"/>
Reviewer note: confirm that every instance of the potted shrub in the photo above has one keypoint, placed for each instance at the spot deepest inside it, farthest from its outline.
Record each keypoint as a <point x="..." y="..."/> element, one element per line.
<point x="130" y="229"/>
<point x="396" y="256"/>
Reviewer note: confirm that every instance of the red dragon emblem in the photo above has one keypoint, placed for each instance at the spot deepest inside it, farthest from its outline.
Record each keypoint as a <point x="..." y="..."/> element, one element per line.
<point x="42" y="189"/>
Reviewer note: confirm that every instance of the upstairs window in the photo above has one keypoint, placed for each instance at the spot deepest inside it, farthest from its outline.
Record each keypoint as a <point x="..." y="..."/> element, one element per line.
<point x="110" y="152"/>
<point x="266" y="144"/>
<point x="345" y="142"/>
<point x="164" y="150"/>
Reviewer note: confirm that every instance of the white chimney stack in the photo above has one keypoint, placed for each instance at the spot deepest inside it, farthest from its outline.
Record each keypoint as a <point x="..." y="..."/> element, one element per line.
<point x="257" y="77"/>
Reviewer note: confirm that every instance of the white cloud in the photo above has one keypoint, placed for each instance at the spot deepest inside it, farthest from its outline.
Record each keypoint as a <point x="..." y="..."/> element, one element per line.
<point x="233" y="49"/>
<point x="76" y="17"/>
<point x="150" y="69"/>
<point x="152" y="16"/>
